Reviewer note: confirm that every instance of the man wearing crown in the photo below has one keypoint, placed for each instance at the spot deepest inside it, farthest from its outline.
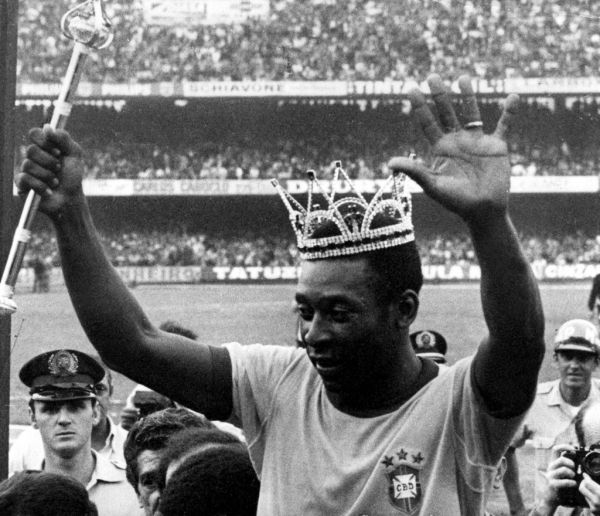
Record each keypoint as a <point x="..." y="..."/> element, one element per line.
<point x="355" y="423"/>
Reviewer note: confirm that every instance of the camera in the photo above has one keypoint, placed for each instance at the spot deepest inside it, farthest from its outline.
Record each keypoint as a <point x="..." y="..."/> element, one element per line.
<point x="587" y="460"/>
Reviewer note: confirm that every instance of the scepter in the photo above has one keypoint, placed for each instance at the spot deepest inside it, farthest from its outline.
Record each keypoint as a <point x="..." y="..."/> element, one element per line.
<point x="90" y="28"/>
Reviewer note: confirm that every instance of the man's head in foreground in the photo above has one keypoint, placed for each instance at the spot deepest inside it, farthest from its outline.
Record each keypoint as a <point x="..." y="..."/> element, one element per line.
<point x="187" y="442"/>
<point x="215" y="480"/>
<point x="145" y="444"/>
<point x="39" y="493"/>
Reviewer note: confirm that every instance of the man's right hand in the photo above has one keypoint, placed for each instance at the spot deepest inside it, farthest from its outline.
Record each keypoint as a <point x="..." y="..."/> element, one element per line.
<point x="560" y="475"/>
<point x="53" y="169"/>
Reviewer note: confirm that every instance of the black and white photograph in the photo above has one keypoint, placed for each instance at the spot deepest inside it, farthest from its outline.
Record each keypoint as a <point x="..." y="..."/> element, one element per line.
<point x="299" y="257"/>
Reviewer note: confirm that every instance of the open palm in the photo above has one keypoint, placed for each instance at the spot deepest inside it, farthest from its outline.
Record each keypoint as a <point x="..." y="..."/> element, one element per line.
<point x="470" y="174"/>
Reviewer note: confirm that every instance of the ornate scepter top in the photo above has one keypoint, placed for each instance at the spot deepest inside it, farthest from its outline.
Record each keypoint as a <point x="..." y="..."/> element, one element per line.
<point x="88" y="24"/>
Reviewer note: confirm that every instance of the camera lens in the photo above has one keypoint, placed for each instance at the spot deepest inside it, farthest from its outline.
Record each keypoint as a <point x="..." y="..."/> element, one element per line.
<point x="591" y="463"/>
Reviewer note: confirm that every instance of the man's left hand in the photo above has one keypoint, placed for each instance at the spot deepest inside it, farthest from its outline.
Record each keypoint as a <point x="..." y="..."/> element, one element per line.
<point x="591" y="491"/>
<point x="470" y="174"/>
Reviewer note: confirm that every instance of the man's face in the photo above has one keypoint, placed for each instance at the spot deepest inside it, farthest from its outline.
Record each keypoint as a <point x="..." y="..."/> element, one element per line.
<point x="65" y="426"/>
<point x="103" y="393"/>
<point x="575" y="367"/>
<point x="147" y="486"/>
<point x="346" y="331"/>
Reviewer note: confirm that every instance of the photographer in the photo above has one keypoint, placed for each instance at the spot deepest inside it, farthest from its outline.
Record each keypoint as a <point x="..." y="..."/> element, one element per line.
<point x="574" y="473"/>
<point x="550" y="421"/>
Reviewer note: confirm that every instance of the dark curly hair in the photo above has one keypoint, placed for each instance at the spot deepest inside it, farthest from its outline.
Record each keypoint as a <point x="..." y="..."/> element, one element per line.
<point x="217" y="480"/>
<point x="44" y="494"/>
<point x="187" y="442"/>
<point x="153" y="432"/>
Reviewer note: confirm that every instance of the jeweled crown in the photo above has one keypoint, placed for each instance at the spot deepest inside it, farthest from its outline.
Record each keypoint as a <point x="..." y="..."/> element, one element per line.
<point x="363" y="226"/>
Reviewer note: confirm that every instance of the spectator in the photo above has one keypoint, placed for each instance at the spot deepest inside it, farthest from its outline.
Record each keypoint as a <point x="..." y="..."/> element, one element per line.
<point x="63" y="406"/>
<point x="27" y="451"/>
<point x="145" y="444"/>
<point x="187" y="442"/>
<point x="214" y="480"/>
<point x="583" y="490"/>
<point x="548" y="141"/>
<point x="550" y="420"/>
<point x="277" y="251"/>
<point x="328" y="41"/>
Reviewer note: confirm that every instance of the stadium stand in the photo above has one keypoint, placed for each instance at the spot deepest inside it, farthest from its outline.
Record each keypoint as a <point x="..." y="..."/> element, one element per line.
<point x="144" y="248"/>
<point x="324" y="40"/>
<point x="549" y="140"/>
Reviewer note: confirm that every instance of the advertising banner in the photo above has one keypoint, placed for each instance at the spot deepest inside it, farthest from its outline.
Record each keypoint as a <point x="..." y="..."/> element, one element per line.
<point x="202" y="12"/>
<point x="541" y="87"/>
<point x="163" y="275"/>
<point x="232" y="187"/>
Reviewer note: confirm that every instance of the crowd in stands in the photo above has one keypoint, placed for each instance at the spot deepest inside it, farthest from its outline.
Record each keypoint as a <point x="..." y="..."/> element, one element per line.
<point x="327" y="40"/>
<point x="546" y="141"/>
<point x="169" y="248"/>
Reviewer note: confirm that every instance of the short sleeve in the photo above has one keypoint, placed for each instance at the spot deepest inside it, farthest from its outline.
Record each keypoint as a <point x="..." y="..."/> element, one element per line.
<point x="482" y="438"/>
<point x="256" y="371"/>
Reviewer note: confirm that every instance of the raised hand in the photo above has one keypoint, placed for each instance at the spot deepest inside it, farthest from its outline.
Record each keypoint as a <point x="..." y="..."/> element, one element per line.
<point x="53" y="169"/>
<point x="470" y="174"/>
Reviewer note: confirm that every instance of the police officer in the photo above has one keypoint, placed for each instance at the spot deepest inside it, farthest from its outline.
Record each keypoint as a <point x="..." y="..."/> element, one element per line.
<point x="108" y="438"/>
<point x="64" y="407"/>
<point x="550" y="420"/>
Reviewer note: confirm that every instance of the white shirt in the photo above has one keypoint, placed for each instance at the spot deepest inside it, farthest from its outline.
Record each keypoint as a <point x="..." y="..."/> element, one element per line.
<point x="108" y="488"/>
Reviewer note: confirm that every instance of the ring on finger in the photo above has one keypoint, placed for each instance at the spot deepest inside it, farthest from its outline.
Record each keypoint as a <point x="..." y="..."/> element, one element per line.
<point x="476" y="124"/>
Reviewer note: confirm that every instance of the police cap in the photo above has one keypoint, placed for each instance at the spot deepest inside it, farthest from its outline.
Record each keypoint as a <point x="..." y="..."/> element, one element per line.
<point x="429" y="344"/>
<point x="60" y="375"/>
<point x="577" y="335"/>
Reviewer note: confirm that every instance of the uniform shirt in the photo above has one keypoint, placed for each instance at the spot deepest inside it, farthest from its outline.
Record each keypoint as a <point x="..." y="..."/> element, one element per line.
<point x="27" y="452"/>
<point x="550" y="420"/>
<point x="109" y="489"/>
<point x="111" y="492"/>
<point x="436" y="454"/>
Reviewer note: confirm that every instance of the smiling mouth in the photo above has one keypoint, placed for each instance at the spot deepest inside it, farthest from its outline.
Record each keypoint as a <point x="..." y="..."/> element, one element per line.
<point x="326" y="367"/>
